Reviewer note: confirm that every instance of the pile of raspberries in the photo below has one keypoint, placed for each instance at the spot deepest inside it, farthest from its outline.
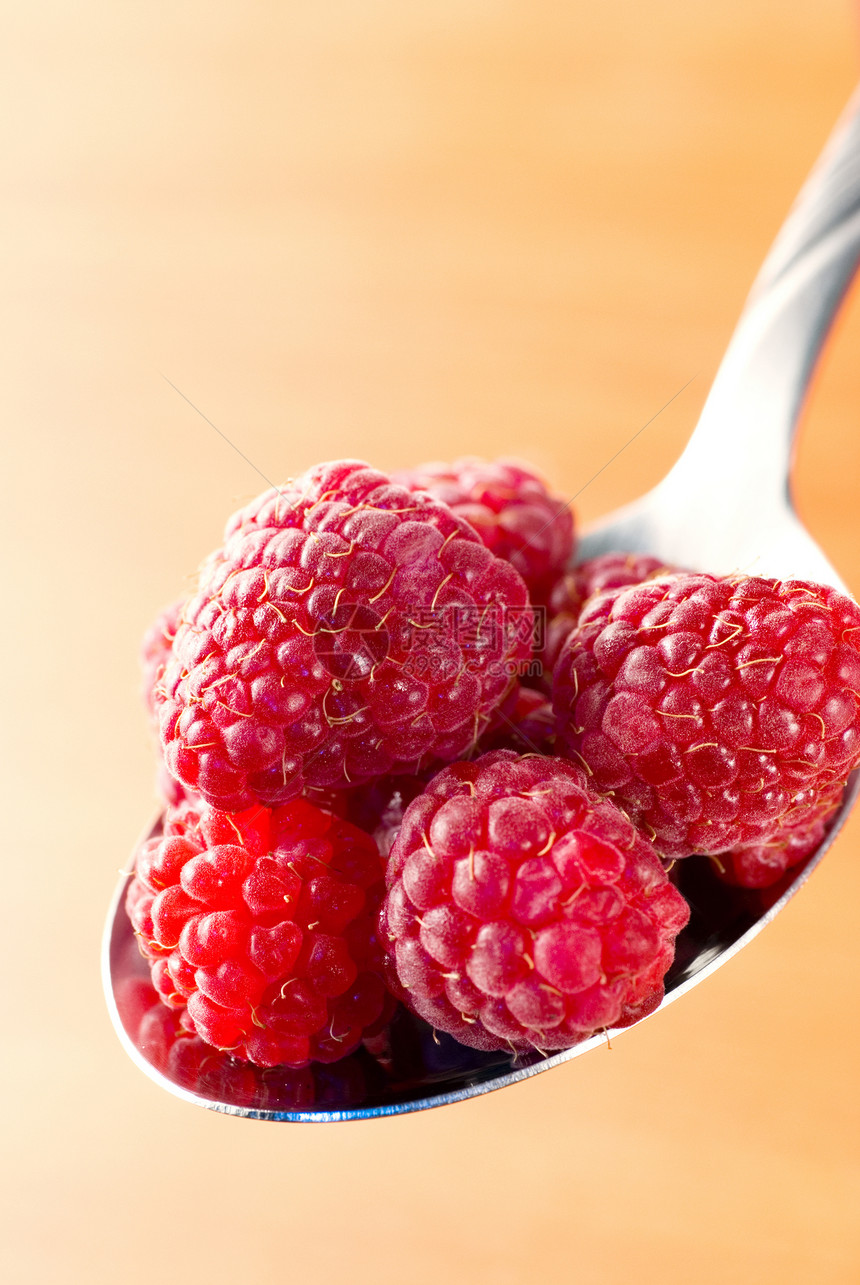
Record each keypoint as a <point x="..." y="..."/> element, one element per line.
<point x="411" y="753"/>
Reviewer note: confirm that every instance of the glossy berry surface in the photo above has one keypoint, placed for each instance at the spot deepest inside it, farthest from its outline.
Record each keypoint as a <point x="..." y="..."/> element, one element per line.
<point x="260" y="927"/>
<point x="347" y="628"/>
<point x="719" y="712"/>
<point x="511" y="509"/>
<point x="523" y="910"/>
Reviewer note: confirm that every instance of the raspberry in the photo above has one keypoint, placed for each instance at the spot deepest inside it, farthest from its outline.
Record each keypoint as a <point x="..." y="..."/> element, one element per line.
<point x="347" y="628"/>
<point x="510" y="508"/>
<point x="259" y="926"/>
<point x="718" y="711"/>
<point x="522" y="909"/>
<point x="596" y="575"/>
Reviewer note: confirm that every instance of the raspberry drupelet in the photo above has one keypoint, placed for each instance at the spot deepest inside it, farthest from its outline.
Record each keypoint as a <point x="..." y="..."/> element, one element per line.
<point x="347" y="628"/>
<point x="522" y="909"/>
<point x="260" y="927"/>
<point x="511" y="509"/>
<point x="721" y="712"/>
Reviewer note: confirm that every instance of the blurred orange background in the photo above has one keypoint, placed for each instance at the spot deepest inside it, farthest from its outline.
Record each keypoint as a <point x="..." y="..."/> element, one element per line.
<point x="393" y="232"/>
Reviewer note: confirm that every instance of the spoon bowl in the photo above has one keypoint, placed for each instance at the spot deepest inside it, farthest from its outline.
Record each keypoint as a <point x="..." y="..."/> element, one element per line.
<point x="724" y="507"/>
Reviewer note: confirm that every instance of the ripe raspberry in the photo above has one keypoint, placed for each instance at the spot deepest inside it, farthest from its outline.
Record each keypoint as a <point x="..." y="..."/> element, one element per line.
<point x="596" y="575"/>
<point x="348" y="628"/>
<point x="718" y="711"/>
<point x="522" y="909"/>
<point x="510" y="508"/>
<point x="260" y="927"/>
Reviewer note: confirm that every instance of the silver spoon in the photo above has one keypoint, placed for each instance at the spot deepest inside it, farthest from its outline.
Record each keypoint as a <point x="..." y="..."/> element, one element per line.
<point x="724" y="506"/>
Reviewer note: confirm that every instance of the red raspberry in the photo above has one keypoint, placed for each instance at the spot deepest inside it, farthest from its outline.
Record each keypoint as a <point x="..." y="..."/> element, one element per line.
<point x="510" y="508"/>
<point x="155" y="650"/>
<point x="523" y="910"/>
<point x="347" y="628"/>
<point x="596" y="575"/>
<point x="260" y="927"/>
<point x="718" y="711"/>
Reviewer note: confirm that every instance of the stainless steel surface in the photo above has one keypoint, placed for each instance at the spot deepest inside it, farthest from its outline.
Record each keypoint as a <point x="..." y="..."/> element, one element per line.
<point x="724" y="506"/>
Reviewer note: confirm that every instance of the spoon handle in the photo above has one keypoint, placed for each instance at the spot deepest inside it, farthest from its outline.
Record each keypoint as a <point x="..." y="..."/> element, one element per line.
<point x="742" y="445"/>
